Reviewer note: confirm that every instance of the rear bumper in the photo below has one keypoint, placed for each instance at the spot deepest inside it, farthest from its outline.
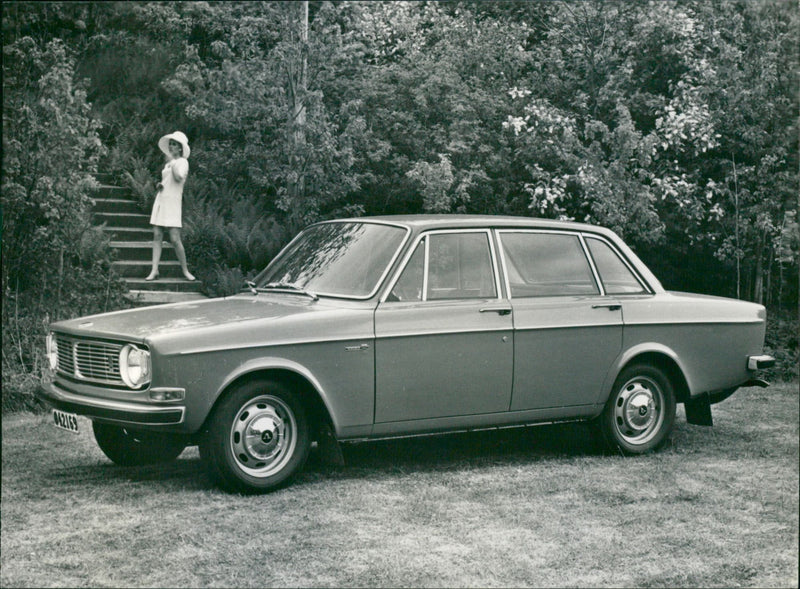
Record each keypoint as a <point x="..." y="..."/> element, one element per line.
<point x="698" y="407"/>
<point x="109" y="410"/>
<point x="760" y="362"/>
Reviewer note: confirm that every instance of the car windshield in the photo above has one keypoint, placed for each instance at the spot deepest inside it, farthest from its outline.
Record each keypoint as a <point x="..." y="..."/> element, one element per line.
<point x="343" y="259"/>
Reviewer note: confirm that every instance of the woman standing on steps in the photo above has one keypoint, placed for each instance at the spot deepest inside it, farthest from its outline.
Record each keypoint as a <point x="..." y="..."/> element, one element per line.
<point x="167" y="206"/>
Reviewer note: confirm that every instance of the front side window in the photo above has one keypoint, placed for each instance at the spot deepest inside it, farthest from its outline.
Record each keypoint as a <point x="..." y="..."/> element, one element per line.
<point x="459" y="266"/>
<point x="410" y="284"/>
<point x="616" y="276"/>
<point x="345" y="259"/>
<point x="546" y="264"/>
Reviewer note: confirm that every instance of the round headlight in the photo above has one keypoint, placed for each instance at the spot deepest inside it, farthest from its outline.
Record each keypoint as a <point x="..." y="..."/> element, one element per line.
<point x="52" y="351"/>
<point x="134" y="366"/>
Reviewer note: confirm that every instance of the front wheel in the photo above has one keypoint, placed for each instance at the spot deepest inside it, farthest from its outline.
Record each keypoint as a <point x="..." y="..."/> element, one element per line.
<point x="640" y="412"/>
<point x="128" y="447"/>
<point x="257" y="439"/>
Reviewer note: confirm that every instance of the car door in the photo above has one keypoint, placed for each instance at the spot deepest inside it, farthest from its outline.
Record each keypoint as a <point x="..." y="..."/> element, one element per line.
<point x="444" y="343"/>
<point x="567" y="332"/>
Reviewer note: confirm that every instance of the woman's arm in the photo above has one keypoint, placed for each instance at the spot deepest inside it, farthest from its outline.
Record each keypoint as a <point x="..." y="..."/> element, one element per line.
<point x="180" y="169"/>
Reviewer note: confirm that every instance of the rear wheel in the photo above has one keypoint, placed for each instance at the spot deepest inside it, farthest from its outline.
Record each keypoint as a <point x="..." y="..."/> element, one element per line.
<point x="128" y="447"/>
<point x="640" y="412"/>
<point x="257" y="439"/>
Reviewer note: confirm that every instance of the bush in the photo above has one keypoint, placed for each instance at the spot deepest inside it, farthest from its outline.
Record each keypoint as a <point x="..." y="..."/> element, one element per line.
<point x="85" y="286"/>
<point x="55" y="264"/>
<point x="142" y="186"/>
<point x="227" y="241"/>
<point x="781" y="342"/>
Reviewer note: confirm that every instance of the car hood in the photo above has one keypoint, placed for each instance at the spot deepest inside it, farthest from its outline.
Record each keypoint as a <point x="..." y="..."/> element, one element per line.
<point x="160" y="320"/>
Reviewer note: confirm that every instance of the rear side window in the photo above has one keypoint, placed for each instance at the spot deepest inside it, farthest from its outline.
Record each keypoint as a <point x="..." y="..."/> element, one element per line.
<point x="546" y="264"/>
<point x="616" y="276"/>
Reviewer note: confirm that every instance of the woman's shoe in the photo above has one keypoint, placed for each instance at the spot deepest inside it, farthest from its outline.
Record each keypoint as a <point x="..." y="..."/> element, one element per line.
<point x="190" y="277"/>
<point x="152" y="277"/>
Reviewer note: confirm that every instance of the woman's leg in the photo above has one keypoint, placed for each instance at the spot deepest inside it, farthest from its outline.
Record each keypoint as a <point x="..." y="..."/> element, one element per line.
<point x="175" y="236"/>
<point x="158" y="236"/>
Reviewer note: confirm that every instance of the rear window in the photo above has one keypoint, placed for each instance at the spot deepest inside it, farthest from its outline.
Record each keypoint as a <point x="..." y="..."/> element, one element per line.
<point x="616" y="276"/>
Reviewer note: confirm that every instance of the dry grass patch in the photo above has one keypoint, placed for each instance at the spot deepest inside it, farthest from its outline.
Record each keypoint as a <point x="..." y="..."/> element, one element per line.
<point x="524" y="507"/>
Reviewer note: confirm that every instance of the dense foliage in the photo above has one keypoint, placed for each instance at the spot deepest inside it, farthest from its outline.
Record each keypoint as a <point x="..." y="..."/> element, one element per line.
<point x="675" y="123"/>
<point x="55" y="263"/>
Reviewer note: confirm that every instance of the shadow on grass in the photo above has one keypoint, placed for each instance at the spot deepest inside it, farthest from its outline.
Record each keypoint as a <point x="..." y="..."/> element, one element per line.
<point x="418" y="454"/>
<point x="490" y="446"/>
<point x="186" y="473"/>
<point x="444" y="452"/>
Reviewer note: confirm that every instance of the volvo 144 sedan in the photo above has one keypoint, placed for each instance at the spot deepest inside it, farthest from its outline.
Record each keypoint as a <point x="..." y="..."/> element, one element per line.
<point x="378" y="327"/>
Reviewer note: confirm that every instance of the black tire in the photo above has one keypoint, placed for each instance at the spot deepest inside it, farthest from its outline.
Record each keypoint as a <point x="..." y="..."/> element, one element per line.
<point x="640" y="411"/>
<point x="257" y="438"/>
<point x="128" y="447"/>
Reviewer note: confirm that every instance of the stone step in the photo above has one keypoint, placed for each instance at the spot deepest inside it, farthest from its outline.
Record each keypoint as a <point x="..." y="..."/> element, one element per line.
<point x="142" y="250"/>
<point x="130" y="233"/>
<point x="137" y="220"/>
<point x="115" y="205"/>
<point x="170" y="283"/>
<point x="132" y="269"/>
<point x="104" y="178"/>
<point x="112" y="191"/>
<point x="160" y="297"/>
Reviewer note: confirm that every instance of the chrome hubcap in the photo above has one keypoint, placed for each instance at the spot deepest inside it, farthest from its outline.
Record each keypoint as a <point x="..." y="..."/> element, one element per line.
<point x="263" y="436"/>
<point x="637" y="412"/>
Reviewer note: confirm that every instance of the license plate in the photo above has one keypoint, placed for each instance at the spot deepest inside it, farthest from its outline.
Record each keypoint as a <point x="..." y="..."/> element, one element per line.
<point x="65" y="421"/>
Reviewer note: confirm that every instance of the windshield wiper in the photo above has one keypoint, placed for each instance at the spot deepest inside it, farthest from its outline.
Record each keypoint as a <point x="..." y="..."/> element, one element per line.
<point x="290" y="287"/>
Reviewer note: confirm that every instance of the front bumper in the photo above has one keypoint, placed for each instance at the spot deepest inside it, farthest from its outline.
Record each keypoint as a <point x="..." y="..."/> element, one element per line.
<point x="110" y="410"/>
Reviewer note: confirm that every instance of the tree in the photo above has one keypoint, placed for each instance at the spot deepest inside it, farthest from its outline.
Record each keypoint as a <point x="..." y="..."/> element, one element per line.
<point x="55" y="264"/>
<point x="752" y="95"/>
<point x="50" y="153"/>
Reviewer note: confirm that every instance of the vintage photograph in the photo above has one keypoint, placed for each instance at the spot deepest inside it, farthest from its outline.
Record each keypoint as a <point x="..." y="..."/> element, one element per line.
<point x="458" y="293"/>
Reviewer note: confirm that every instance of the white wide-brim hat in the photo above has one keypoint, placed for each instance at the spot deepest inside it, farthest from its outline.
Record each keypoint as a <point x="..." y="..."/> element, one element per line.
<point x="163" y="143"/>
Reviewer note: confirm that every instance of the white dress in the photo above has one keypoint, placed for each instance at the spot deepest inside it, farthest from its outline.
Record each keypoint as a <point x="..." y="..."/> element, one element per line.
<point x="167" y="206"/>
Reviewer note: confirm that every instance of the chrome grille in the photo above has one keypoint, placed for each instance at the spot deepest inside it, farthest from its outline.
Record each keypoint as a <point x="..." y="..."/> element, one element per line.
<point x="89" y="360"/>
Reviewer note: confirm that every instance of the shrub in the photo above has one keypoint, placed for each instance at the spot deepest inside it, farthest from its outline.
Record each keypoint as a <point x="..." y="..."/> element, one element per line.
<point x="142" y="185"/>
<point x="228" y="240"/>
<point x="55" y="264"/>
<point x="781" y="342"/>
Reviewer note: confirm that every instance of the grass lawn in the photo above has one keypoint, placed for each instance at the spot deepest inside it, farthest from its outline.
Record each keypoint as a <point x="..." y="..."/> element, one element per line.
<point x="717" y="507"/>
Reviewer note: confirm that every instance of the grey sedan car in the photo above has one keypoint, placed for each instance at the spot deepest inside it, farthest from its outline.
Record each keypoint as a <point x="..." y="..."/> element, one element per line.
<point x="376" y="327"/>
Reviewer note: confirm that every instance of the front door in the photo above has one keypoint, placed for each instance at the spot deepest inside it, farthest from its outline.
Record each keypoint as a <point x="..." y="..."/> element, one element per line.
<point x="444" y="343"/>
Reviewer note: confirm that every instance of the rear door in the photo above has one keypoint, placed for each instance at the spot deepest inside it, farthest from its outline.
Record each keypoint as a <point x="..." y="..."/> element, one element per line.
<point x="567" y="332"/>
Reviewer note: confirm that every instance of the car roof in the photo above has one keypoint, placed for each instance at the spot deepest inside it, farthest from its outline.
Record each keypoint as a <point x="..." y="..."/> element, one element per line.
<point x="419" y="223"/>
<point x="428" y="222"/>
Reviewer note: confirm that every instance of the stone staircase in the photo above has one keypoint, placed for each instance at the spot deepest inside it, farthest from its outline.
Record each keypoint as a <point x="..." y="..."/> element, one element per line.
<point x="132" y="237"/>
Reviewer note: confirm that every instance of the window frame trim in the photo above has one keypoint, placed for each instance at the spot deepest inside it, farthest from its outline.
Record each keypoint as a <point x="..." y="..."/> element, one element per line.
<point x="647" y="290"/>
<point x="493" y="258"/>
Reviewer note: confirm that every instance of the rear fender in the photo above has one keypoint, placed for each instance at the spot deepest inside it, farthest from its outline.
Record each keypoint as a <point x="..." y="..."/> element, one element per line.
<point x="647" y="352"/>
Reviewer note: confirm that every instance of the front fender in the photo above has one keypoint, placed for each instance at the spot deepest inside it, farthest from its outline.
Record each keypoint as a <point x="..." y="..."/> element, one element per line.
<point x="275" y="363"/>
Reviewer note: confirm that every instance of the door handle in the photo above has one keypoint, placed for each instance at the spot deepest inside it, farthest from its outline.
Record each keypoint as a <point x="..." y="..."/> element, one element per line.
<point x="498" y="310"/>
<point x="609" y="306"/>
